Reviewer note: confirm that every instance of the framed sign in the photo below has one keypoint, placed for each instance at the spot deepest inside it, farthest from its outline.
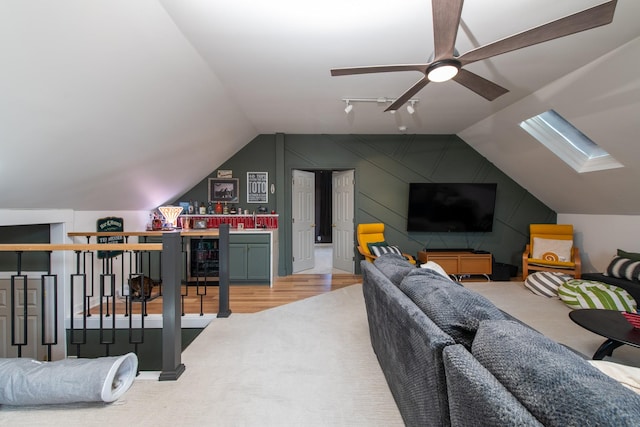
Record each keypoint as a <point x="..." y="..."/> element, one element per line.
<point x="110" y="224"/>
<point x="257" y="184"/>
<point x="223" y="190"/>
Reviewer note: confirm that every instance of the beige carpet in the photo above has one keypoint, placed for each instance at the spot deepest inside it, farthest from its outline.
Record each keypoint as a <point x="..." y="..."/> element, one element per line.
<point x="309" y="363"/>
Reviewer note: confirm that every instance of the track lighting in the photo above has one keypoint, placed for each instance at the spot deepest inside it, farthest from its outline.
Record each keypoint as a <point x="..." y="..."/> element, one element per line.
<point x="349" y="107"/>
<point x="410" y="108"/>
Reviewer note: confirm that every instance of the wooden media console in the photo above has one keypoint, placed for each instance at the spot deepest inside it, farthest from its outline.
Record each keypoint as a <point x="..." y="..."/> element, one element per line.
<point x="460" y="263"/>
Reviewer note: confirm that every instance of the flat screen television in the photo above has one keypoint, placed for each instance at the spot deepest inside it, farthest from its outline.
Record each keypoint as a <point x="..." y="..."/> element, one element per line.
<point x="451" y="207"/>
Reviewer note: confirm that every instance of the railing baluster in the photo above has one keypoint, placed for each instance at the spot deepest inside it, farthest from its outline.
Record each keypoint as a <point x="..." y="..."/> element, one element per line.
<point x="15" y="303"/>
<point x="73" y="334"/>
<point x="49" y="295"/>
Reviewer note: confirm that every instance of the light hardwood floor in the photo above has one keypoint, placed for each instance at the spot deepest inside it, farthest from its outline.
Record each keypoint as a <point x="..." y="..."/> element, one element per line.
<point x="254" y="298"/>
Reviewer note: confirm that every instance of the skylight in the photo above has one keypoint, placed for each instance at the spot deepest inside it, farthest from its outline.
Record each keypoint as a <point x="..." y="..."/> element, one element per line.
<point x="568" y="143"/>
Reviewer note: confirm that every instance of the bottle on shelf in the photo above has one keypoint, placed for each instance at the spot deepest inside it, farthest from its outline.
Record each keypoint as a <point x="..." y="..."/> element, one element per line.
<point x="218" y="208"/>
<point x="225" y="210"/>
<point x="203" y="209"/>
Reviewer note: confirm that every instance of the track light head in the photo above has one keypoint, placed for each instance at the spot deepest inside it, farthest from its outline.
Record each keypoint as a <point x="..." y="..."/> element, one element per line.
<point x="348" y="108"/>
<point x="410" y="108"/>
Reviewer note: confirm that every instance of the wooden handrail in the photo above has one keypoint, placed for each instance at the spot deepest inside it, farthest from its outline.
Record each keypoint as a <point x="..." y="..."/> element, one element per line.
<point x="46" y="247"/>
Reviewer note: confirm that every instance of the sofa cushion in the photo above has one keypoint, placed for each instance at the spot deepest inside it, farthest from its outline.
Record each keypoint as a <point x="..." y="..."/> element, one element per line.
<point x="476" y="397"/>
<point x="624" y="268"/>
<point x="546" y="283"/>
<point x="578" y="293"/>
<point x="556" y="385"/>
<point x="394" y="266"/>
<point x="455" y="309"/>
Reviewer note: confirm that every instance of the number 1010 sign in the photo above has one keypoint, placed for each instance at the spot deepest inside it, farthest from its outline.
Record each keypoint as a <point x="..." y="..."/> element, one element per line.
<point x="257" y="185"/>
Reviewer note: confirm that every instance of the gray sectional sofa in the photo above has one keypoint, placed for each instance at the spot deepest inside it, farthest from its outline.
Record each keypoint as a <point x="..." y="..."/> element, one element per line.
<point x="451" y="357"/>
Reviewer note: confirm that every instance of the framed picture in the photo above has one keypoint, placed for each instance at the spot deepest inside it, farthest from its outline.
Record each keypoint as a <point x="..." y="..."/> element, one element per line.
<point x="200" y="223"/>
<point x="257" y="184"/>
<point x="223" y="190"/>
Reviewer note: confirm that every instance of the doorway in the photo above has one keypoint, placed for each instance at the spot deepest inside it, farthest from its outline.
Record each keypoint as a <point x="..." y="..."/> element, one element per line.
<point x="323" y="226"/>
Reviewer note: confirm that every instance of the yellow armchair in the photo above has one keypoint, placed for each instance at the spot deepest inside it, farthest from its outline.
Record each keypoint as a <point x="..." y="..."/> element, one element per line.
<point x="551" y="248"/>
<point x="373" y="233"/>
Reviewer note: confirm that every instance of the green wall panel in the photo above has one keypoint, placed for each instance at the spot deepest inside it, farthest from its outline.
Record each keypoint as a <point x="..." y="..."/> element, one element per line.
<point x="384" y="166"/>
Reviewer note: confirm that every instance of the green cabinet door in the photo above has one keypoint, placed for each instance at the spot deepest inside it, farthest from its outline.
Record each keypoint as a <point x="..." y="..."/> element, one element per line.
<point x="237" y="261"/>
<point x="258" y="261"/>
<point x="249" y="258"/>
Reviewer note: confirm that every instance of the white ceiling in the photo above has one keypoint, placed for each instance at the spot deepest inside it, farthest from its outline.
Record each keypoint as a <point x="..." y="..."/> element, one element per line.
<point x="120" y="104"/>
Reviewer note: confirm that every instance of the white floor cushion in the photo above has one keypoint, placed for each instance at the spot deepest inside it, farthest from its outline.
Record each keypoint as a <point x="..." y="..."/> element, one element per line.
<point x="546" y="283"/>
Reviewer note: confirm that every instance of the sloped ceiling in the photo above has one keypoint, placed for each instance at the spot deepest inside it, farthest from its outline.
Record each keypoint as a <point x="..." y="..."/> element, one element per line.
<point x="119" y="104"/>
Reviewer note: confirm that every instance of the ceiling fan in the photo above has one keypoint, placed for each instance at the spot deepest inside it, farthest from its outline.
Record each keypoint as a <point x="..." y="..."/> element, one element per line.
<point x="447" y="65"/>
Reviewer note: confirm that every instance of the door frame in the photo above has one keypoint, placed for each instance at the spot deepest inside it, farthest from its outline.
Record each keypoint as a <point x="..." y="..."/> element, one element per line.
<point x="288" y="264"/>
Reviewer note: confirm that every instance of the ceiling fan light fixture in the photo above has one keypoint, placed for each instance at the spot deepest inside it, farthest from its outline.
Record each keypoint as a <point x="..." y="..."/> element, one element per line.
<point x="442" y="71"/>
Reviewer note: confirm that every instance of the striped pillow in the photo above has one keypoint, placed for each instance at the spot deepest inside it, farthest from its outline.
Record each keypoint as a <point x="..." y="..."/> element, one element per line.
<point x="381" y="250"/>
<point x="623" y="268"/>
<point x="578" y="293"/>
<point x="546" y="283"/>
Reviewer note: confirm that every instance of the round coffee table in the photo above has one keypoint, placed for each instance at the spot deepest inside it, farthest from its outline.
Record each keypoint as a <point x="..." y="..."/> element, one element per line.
<point x="610" y="324"/>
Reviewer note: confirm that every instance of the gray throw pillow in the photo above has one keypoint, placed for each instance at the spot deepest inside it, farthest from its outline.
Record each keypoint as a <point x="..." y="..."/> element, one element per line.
<point x="455" y="309"/>
<point x="556" y="385"/>
<point x="394" y="266"/>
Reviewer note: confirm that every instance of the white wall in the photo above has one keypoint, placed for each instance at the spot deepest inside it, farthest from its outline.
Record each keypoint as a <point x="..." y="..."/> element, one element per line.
<point x="600" y="236"/>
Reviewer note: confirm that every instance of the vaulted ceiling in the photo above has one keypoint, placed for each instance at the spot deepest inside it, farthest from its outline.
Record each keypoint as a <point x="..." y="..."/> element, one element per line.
<point x="123" y="105"/>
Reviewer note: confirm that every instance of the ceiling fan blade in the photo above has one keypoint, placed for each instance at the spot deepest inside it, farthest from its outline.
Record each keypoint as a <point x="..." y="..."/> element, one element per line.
<point x="408" y="94"/>
<point x="479" y="85"/>
<point x="581" y="21"/>
<point x="379" y="69"/>
<point x="446" y="21"/>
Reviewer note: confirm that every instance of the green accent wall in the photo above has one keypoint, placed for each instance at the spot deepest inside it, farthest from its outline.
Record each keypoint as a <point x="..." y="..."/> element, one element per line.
<point x="384" y="166"/>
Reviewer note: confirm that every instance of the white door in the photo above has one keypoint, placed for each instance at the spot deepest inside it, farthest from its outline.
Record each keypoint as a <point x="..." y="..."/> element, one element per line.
<point x="32" y="348"/>
<point x="342" y="224"/>
<point x="302" y="216"/>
